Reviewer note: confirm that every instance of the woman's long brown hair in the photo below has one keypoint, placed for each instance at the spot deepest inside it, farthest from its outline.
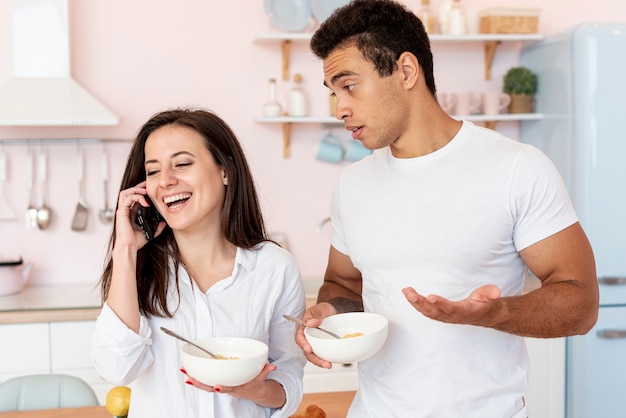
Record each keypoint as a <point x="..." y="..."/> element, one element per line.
<point x="242" y="221"/>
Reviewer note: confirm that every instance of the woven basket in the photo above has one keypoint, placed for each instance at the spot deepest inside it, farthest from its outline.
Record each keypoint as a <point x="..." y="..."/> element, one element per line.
<point x="509" y="21"/>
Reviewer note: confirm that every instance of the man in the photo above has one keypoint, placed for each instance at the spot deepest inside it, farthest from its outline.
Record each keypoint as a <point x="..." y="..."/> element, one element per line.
<point x="436" y="231"/>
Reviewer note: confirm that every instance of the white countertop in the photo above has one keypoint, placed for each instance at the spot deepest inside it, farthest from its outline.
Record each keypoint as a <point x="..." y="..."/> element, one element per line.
<point x="51" y="303"/>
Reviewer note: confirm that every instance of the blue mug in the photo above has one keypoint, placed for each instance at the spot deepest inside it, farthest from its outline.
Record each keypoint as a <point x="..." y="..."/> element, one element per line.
<point x="329" y="149"/>
<point x="356" y="151"/>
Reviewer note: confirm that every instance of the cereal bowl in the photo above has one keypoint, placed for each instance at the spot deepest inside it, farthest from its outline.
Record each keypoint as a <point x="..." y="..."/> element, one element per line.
<point x="243" y="359"/>
<point x="363" y="333"/>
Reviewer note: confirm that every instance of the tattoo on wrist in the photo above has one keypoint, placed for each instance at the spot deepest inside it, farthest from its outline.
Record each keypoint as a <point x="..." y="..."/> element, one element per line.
<point x="343" y="305"/>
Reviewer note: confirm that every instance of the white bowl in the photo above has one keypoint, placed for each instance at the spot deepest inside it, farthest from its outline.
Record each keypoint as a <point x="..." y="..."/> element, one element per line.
<point x="347" y="350"/>
<point x="248" y="358"/>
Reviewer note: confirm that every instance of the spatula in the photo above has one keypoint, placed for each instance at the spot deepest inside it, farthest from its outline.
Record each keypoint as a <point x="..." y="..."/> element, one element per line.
<point x="6" y="211"/>
<point x="79" y="223"/>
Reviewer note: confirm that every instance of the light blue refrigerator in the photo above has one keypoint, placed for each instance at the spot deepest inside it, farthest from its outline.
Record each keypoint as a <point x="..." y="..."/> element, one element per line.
<point x="582" y="95"/>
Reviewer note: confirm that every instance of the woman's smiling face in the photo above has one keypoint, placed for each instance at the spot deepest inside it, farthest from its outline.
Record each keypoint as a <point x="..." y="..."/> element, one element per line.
<point x="182" y="178"/>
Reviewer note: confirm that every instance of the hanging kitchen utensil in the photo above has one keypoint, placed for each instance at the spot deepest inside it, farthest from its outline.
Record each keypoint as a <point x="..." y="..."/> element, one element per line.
<point x="6" y="211"/>
<point x="106" y="214"/>
<point x="31" y="212"/>
<point x="79" y="223"/>
<point x="44" y="213"/>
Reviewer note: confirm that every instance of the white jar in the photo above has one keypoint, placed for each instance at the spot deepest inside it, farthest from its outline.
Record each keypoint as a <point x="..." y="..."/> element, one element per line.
<point x="297" y="99"/>
<point x="456" y="19"/>
<point x="272" y="107"/>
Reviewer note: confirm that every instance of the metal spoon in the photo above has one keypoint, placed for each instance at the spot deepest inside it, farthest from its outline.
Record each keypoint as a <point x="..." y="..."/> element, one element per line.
<point x="31" y="212"/>
<point x="173" y="334"/>
<point x="301" y="322"/>
<point x="44" y="213"/>
<point x="106" y="214"/>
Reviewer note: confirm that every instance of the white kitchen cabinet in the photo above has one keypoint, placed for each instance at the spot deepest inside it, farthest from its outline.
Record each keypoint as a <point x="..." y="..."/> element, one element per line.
<point x="55" y="347"/>
<point x="70" y="353"/>
<point x="24" y="349"/>
<point x="70" y="345"/>
<point x="340" y="378"/>
<point x="546" y="386"/>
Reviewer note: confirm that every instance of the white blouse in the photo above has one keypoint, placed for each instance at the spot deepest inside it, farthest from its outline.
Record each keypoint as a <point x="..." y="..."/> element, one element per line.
<point x="264" y="285"/>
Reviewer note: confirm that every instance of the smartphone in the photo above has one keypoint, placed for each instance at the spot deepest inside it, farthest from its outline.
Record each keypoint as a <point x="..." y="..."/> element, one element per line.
<point x="148" y="219"/>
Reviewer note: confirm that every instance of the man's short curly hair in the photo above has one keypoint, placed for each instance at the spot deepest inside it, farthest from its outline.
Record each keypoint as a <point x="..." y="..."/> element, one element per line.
<point x="382" y="30"/>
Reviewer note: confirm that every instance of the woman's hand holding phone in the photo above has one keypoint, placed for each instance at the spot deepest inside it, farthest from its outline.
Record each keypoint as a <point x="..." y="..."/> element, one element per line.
<point x="128" y="231"/>
<point x="148" y="218"/>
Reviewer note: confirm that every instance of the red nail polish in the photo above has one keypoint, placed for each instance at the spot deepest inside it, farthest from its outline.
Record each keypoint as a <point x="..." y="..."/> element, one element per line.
<point x="188" y="382"/>
<point x="217" y="389"/>
<point x="182" y="370"/>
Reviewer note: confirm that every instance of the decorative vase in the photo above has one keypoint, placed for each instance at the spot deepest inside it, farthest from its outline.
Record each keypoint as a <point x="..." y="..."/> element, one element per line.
<point x="521" y="103"/>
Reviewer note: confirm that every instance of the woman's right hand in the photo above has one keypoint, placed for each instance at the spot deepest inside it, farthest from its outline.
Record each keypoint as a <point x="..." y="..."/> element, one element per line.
<point x="127" y="232"/>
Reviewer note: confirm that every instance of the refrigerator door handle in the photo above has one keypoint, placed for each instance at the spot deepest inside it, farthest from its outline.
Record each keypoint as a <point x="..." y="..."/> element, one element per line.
<point x="611" y="334"/>
<point x="612" y="280"/>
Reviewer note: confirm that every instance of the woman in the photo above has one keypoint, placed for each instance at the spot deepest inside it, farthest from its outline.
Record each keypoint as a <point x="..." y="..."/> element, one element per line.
<point x="209" y="271"/>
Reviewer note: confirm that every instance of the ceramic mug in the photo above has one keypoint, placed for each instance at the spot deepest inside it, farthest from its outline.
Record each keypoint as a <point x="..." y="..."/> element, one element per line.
<point x="494" y="102"/>
<point x="447" y="101"/>
<point x="356" y="151"/>
<point x="466" y="104"/>
<point x="329" y="149"/>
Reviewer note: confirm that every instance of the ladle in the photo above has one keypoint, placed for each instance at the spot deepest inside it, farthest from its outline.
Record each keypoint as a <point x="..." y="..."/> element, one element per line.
<point x="173" y="334"/>
<point x="301" y="322"/>
<point x="31" y="212"/>
<point x="44" y="214"/>
<point x="106" y="214"/>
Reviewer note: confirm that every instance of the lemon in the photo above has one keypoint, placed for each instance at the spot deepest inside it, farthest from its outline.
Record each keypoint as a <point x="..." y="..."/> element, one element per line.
<point x="118" y="401"/>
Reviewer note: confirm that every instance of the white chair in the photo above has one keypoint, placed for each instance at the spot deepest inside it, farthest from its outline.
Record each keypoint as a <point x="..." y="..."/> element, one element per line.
<point x="45" y="391"/>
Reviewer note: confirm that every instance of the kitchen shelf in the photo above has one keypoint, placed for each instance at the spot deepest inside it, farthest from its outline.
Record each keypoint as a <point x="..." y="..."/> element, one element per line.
<point x="287" y="121"/>
<point x="55" y="141"/>
<point x="490" y="40"/>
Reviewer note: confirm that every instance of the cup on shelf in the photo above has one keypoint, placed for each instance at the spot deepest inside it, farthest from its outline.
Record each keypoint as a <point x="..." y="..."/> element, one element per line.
<point x="356" y="151"/>
<point x="495" y="102"/>
<point x="467" y="103"/>
<point x="472" y="18"/>
<point x="447" y="101"/>
<point x="329" y="149"/>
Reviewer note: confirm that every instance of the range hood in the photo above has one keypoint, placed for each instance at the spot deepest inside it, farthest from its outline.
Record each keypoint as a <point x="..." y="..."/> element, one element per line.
<point x="41" y="91"/>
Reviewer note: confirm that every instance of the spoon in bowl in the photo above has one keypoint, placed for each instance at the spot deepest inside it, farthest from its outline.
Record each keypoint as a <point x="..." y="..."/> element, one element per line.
<point x="301" y="322"/>
<point x="173" y="334"/>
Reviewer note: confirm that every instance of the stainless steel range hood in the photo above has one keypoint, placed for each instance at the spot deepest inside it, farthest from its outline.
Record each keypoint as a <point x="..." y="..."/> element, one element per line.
<point x="41" y="91"/>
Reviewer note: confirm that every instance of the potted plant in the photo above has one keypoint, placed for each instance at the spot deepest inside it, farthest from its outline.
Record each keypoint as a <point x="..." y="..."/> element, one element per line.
<point x="521" y="84"/>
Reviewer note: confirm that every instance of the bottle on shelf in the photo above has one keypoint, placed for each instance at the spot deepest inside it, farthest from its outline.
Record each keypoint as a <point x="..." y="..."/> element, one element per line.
<point x="456" y="19"/>
<point x="297" y="98"/>
<point x="442" y="16"/>
<point x="427" y="17"/>
<point x="272" y="108"/>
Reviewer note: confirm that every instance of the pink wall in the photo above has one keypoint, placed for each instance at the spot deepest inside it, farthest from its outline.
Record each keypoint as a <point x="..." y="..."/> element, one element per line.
<point x="143" y="56"/>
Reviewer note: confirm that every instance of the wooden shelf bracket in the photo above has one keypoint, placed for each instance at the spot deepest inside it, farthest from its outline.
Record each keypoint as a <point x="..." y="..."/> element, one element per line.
<point x="286" y="47"/>
<point x="490" y="51"/>
<point x="286" y="139"/>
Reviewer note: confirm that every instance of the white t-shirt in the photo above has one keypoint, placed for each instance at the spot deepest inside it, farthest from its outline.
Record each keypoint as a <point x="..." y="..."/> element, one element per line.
<point x="445" y="223"/>
<point x="264" y="285"/>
